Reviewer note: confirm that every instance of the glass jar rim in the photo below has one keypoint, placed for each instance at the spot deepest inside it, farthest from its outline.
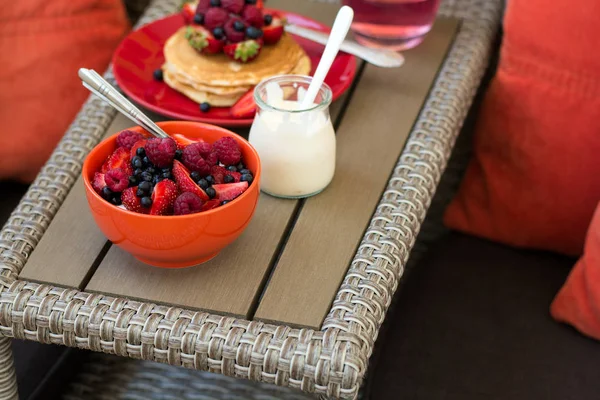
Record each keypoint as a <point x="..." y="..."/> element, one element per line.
<point x="325" y="90"/>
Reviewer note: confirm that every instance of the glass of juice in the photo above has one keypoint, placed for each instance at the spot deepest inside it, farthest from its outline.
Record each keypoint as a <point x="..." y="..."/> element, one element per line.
<point x="295" y="143"/>
<point x="392" y="24"/>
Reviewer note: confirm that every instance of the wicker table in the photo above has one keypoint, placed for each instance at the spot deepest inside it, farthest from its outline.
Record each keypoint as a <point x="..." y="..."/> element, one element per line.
<point x="298" y="300"/>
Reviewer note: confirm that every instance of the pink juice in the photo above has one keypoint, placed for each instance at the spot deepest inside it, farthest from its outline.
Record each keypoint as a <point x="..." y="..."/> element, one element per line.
<point x="392" y="24"/>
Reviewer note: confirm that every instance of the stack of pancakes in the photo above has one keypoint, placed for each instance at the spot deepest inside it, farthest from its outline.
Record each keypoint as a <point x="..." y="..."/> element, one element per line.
<point x="220" y="81"/>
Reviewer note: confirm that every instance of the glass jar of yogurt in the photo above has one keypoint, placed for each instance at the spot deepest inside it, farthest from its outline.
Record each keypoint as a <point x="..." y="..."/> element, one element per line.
<point x="296" y="144"/>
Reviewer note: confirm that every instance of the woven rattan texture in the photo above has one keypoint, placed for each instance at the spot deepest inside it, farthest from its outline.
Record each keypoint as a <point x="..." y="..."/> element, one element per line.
<point x="329" y="362"/>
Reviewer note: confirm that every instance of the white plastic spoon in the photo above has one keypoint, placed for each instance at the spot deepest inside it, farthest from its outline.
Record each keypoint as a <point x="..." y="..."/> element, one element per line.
<point x="336" y="37"/>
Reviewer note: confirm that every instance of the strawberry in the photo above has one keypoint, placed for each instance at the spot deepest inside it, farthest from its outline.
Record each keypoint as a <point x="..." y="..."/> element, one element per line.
<point x="235" y="175"/>
<point x="245" y="107"/>
<point x="202" y="40"/>
<point x="132" y="202"/>
<point x="188" y="10"/>
<point x="137" y="145"/>
<point x="243" y="52"/>
<point x="119" y="159"/>
<point x="163" y="197"/>
<point x="229" y="191"/>
<point x="98" y="183"/>
<point x="273" y="32"/>
<point x="209" y="205"/>
<point x="185" y="182"/>
<point x="183" y="140"/>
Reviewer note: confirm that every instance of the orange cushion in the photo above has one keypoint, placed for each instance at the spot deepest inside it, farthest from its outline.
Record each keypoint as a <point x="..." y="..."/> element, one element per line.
<point x="43" y="44"/>
<point x="578" y="301"/>
<point x="533" y="181"/>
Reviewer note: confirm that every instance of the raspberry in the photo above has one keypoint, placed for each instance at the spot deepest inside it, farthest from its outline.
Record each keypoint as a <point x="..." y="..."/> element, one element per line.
<point x="203" y="6"/>
<point x="227" y="150"/>
<point x="117" y="180"/>
<point x="199" y="157"/>
<point x="215" y="17"/>
<point x="218" y="173"/>
<point x="128" y="138"/>
<point x="253" y="16"/>
<point x="233" y="35"/>
<point x="233" y="6"/>
<point x="187" y="203"/>
<point x="132" y="202"/>
<point x="161" y="152"/>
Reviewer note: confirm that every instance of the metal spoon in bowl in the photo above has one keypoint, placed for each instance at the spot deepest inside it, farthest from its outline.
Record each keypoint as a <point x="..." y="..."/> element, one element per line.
<point x="104" y="90"/>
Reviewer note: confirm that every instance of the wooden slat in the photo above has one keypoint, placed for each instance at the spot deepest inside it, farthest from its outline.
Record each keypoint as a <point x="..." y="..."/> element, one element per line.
<point x="378" y="120"/>
<point x="72" y="242"/>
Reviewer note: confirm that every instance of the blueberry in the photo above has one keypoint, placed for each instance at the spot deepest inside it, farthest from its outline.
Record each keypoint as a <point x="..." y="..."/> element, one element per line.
<point x="218" y="32"/>
<point x="133" y="181"/>
<point x="116" y="199"/>
<point x="250" y="1"/>
<point x="158" y="74"/>
<point x="147" y="162"/>
<point x="136" y="162"/>
<point x="145" y="186"/>
<point x="211" y="192"/>
<point x="140" y="192"/>
<point x="166" y="169"/>
<point x="210" y="180"/>
<point x="245" y="171"/>
<point x="107" y="193"/>
<point x="138" y="172"/>
<point x="178" y="154"/>
<point x="228" y="179"/>
<point x="203" y="184"/>
<point x="147" y="176"/>
<point x="240" y="166"/>
<point x="205" y="107"/>
<point x="252" y="32"/>
<point x="268" y="19"/>
<point x="224" y="202"/>
<point x="146" y="202"/>
<point x="156" y="179"/>
<point x="140" y="151"/>
<point x="195" y="175"/>
<point x="215" y="3"/>
<point x="199" y="19"/>
<point x="166" y="175"/>
<point x="238" y="25"/>
<point x="232" y="168"/>
<point x="247" y="178"/>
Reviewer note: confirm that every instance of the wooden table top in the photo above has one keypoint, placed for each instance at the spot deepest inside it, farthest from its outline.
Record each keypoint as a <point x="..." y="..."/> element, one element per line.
<point x="288" y="265"/>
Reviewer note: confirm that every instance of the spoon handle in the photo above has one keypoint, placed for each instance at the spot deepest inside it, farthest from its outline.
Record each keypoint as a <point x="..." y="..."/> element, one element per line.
<point x="101" y="88"/>
<point x="340" y="28"/>
<point x="378" y="57"/>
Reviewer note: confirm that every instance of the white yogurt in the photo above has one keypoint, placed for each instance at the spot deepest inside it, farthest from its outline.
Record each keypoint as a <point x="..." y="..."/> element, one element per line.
<point x="296" y="149"/>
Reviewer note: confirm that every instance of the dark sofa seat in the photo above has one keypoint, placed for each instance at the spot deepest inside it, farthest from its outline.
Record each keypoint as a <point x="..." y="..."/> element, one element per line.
<point x="471" y="322"/>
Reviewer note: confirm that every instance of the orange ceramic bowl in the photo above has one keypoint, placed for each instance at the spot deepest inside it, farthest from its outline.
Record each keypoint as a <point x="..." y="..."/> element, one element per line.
<point x="179" y="240"/>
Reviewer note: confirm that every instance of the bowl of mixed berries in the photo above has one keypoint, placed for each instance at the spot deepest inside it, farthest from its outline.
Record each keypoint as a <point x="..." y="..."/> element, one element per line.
<point x="173" y="202"/>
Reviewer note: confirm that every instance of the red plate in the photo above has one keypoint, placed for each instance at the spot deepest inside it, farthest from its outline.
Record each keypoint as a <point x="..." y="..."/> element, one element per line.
<point x="141" y="53"/>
